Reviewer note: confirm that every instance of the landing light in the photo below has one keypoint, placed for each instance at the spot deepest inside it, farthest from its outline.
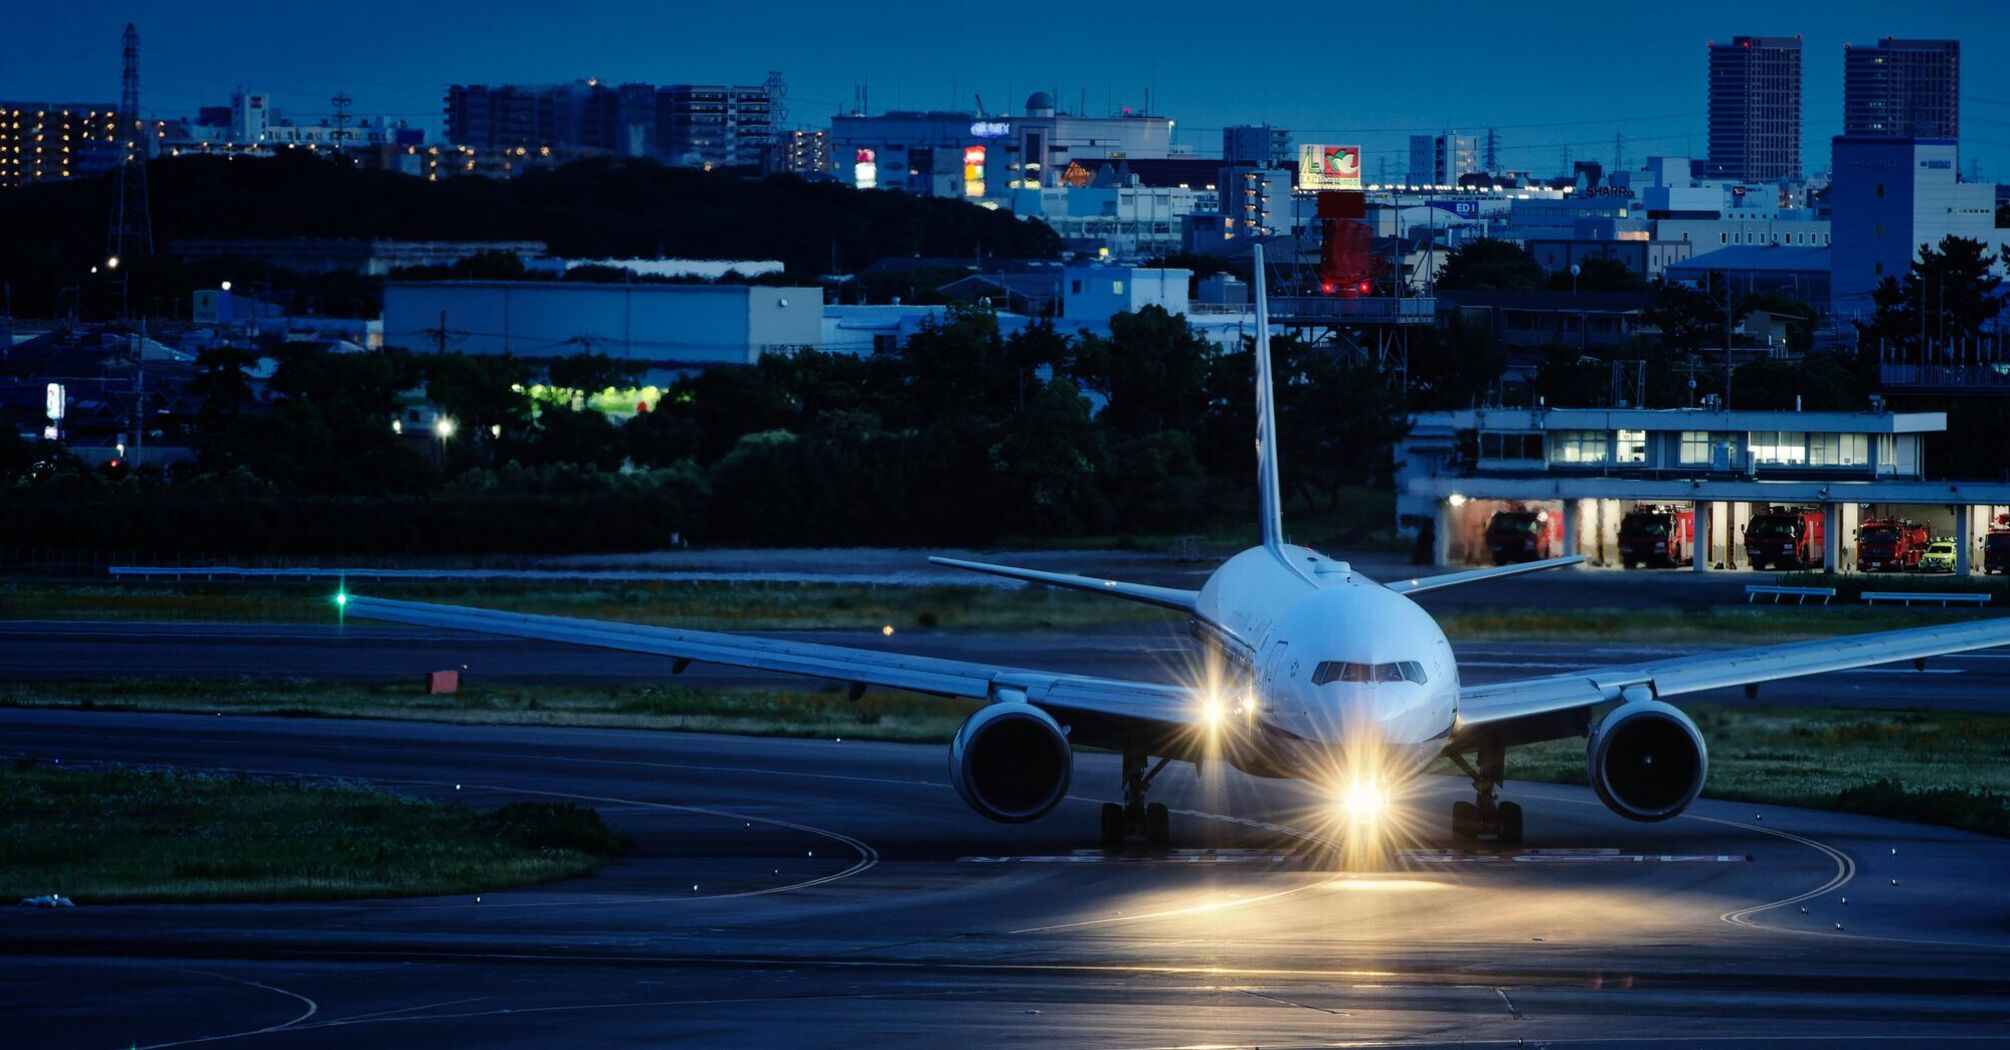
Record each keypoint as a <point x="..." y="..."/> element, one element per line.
<point x="1362" y="800"/>
<point x="1211" y="711"/>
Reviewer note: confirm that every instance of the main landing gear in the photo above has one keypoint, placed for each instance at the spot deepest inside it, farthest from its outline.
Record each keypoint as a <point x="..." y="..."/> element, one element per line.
<point x="1484" y="815"/>
<point x="1152" y="822"/>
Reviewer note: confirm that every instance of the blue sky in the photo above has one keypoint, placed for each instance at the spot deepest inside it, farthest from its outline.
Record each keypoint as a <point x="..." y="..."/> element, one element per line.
<point x="1547" y="75"/>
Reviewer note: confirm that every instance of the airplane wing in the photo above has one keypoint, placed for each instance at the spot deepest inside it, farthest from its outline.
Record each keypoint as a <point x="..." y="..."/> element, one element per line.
<point x="1096" y="710"/>
<point x="1418" y="584"/>
<point x="1163" y="597"/>
<point x="1539" y="700"/>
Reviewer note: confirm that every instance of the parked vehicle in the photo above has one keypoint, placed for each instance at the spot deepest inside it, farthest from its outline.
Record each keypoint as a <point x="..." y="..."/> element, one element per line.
<point x="1785" y="538"/>
<point x="1890" y="545"/>
<point x="1651" y="535"/>
<point x="1938" y="557"/>
<point x="1523" y="535"/>
<point x="1996" y="548"/>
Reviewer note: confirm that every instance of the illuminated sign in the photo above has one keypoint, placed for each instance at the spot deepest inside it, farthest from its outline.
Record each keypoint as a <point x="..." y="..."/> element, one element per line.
<point x="1465" y="209"/>
<point x="973" y="171"/>
<point x="55" y="403"/>
<point x="1329" y="167"/>
<point x="990" y="129"/>
<point x="865" y="170"/>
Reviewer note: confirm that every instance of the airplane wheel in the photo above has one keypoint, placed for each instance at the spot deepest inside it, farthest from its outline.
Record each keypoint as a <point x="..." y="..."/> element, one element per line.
<point x="1158" y="824"/>
<point x="1465" y="820"/>
<point x="1112" y="824"/>
<point x="1510" y="823"/>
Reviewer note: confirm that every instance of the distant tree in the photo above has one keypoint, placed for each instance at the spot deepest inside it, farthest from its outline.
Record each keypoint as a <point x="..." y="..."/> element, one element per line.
<point x="1490" y="264"/>
<point x="1152" y="368"/>
<point x="1598" y="275"/>
<point x="1567" y="378"/>
<point x="1691" y="319"/>
<point x="592" y="373"/>
<point x="1947" y="295"/>
<point x="1454" y="366"/>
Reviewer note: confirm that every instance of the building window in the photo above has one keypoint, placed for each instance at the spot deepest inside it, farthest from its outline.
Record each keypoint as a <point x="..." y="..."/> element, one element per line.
<point x="1632" y="446"/>
<point x="1116" y="287"/>
<point x="1838" y="450"/>
<point x="1510" y="446"/>
<point x="1695" y="448"/>
<point x="1779" y="447"/>
<point x="1578" y="446"/>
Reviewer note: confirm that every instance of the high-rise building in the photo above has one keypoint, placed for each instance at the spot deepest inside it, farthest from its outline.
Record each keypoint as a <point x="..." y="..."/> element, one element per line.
<point x="1902" y="89"/>
<point x="716" y="125"/>
<point x="1755" y="109"/>
<point x="51" y="141"/>
<point x="806" y="151"/>
<point x="1256" y="146"/>
<point x="1440" y="160"/>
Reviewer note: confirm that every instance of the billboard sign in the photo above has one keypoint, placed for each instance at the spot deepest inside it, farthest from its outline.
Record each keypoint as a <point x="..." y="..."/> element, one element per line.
<point x="1329" y="167"/>
<point x="54" y="402"/>
<point x="973" y="171"/>
<point x="1464" y="209"/>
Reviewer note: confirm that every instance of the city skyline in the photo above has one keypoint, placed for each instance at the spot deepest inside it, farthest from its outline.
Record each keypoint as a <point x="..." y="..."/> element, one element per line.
<point x="396" y="63"/>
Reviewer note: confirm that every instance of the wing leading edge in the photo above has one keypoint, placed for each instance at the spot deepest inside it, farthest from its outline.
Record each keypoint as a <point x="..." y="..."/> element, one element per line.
<point x="1532" y="698"/>
<point x="1163" y="597"/>
<point x="1419" y="584"/>
<point x="1103" y="705"/>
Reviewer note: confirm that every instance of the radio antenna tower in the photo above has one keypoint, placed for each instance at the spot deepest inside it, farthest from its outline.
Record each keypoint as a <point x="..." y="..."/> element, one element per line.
<point x="341" y="102"/>
<point x="131" y="233"/>
<point x="1493" y="163"/>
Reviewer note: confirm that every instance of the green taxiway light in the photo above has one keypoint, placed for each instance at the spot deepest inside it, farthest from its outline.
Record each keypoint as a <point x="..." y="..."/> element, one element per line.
<point x="341" y="599"/>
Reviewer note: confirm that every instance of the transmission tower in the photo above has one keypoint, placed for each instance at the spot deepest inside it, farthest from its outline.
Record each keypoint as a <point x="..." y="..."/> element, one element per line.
<point x="1493" y="151"/>
<point x="1618" y="151"/>
<point x="778" y="121"/>
<point x="131" y="233"/>
<point x="341" y="103"/>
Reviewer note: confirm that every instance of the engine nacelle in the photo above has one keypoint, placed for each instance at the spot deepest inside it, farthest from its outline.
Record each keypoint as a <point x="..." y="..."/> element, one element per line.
<point x="1646" y="760"/>
<point x="1011" y="762"/>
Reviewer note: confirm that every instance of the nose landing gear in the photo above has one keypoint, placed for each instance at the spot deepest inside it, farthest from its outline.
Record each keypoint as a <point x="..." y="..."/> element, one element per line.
<point x="1150" y="821"/>
<point x="1484" y="815"/>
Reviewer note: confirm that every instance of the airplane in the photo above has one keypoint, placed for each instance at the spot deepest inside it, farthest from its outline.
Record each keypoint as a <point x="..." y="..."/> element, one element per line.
<point x="1324" y="675"/>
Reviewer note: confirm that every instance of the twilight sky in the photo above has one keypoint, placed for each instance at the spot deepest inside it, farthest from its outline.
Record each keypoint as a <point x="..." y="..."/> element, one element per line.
<point x="1547" y="75"/>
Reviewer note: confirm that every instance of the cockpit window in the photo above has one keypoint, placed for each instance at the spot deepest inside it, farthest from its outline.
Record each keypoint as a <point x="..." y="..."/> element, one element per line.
<point x="1348" y="671"/>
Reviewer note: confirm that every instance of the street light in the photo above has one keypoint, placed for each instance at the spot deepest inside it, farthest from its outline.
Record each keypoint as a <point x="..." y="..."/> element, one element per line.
<point x="443" y="428"/>
<point x="226" y="286"/>
<point x="112" y="263"/>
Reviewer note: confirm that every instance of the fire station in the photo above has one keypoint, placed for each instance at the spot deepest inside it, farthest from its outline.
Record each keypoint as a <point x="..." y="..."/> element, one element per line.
<point x="1704" y="488"/>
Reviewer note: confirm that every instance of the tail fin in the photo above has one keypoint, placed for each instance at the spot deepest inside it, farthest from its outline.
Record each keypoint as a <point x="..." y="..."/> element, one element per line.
<point x="1270" y="500"/>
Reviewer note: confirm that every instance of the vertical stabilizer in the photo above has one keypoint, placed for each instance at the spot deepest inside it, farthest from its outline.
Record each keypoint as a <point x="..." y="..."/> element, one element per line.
<point x="1270" y="500"/>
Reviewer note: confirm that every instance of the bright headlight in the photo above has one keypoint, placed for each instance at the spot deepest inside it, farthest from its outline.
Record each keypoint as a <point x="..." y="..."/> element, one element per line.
<point x="1362" y="800"/>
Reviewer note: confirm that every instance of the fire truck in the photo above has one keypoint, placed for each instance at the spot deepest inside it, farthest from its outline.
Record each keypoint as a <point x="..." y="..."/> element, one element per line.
<point x="1650" y="535"/>
<point x="1523" y="535"/>
<point x="1785" y="538"/>
<point x="1890" y="545"/>
<point x="1996" y="546"/>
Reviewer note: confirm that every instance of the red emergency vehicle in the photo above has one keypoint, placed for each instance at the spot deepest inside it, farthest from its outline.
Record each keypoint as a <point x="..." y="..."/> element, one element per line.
<point x="1890" y="545"/>
<point x="1650" y="535"/>
<point x="1523" y="535"/>
<point x="1785" y="538"/>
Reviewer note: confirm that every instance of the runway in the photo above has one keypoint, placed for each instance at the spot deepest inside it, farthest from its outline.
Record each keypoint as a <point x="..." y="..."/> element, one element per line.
<point x="372" y="652"/>
<point x="837" y="894"/>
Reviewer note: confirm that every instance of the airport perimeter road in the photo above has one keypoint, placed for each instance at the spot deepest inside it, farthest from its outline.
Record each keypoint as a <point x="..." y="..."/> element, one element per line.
<point x="370" y="652"/>
<point x="797" y="893"/>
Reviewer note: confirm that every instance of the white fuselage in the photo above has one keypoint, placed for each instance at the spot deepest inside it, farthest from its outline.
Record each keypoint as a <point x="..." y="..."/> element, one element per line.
<point x="1342" y="673"/>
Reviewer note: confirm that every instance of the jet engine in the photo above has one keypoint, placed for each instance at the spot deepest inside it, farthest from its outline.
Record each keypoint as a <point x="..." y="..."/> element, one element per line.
<point x="1011" y="762"/>
<point x="1646" y="760"/>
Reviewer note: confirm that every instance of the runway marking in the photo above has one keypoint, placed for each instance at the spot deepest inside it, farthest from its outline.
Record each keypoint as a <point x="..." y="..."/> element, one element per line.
<point x="1176" y="856"/>
<point x="1567" y="856"/>
<point x="1512" y="1010"/>
<point x="312" y="1007"/>
<point x="382" y="1014"/>
<point x="1287" y="1002"/>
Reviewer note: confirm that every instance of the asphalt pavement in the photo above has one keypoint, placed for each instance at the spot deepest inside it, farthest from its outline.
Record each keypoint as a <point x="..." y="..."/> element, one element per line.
<point x="818" y="893"/>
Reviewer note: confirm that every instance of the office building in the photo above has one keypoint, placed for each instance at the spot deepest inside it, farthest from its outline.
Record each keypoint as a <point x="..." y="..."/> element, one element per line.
<point x="1755" y="109"/>
<point x="689" y="124"/>
<point x="53" y="141"/>
<point x="1256" y="146"/>
<point x="1889" y="197"/>
<point x="1902" y="89"/>
<point x="1440" y="160"/>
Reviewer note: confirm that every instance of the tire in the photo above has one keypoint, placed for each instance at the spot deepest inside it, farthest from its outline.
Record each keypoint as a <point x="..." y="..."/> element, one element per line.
<point x="1112" y="825"/>
<point x="1465" y="820"/>
<point x="1158" y="824"/>
<point x="1510" y="823"/>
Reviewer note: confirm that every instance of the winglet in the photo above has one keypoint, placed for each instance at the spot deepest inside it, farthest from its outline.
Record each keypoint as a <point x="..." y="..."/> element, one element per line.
<point x="1270" y="501"/>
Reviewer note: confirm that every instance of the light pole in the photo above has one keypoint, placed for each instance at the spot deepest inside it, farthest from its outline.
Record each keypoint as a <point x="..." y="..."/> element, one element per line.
<point x="443" y="428"/>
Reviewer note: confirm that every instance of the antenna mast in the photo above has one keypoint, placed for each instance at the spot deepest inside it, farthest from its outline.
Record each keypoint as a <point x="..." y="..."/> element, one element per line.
<point x="131" y="232"/>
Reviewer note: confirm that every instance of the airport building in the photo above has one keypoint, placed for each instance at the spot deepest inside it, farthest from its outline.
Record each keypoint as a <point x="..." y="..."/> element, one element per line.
<point x="1582" y="471"/>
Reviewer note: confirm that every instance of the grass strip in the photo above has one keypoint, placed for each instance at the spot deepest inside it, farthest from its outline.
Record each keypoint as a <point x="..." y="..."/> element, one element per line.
<point x="105" y="836"/>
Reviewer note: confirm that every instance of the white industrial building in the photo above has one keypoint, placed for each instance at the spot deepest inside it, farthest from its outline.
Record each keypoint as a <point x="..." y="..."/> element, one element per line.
<point x="1591" y="466"/>
<point x="670" y="326"/>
